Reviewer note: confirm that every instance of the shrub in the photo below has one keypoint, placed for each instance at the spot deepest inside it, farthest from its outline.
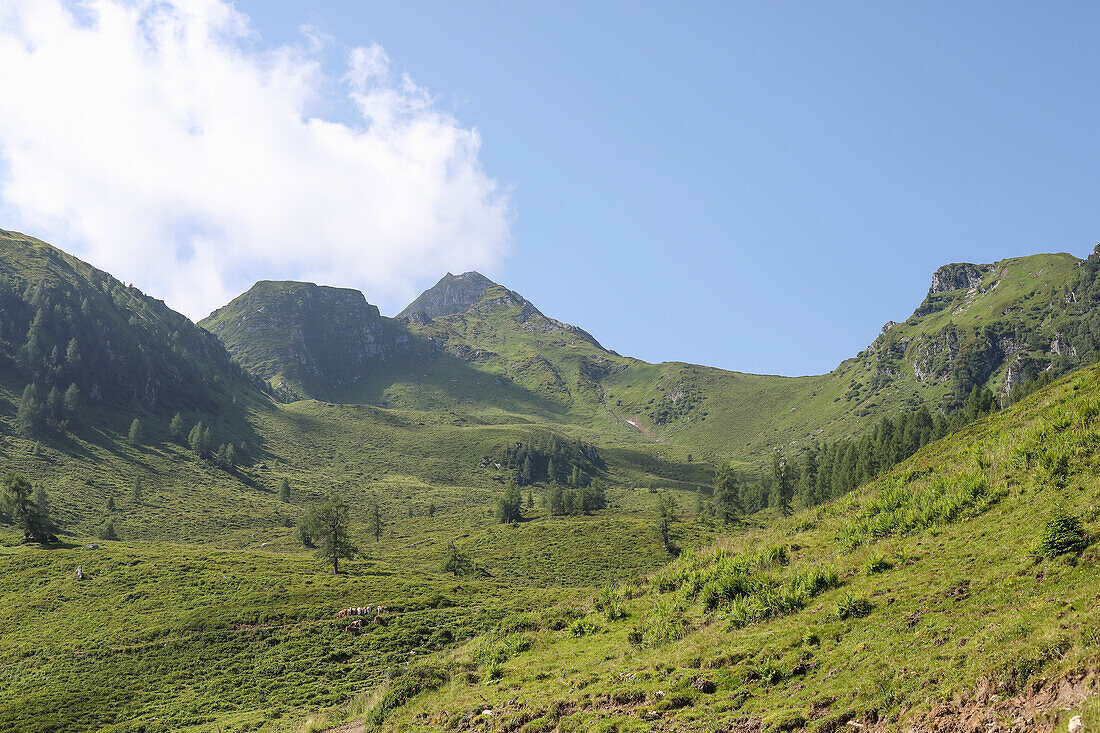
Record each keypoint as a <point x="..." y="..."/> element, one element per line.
<point x="852" y="607"/>
<point x="1061" y="534"/>
<point x="584" y="627"/>
<point x="878" y="564"/>
<point x="610" y="603"/>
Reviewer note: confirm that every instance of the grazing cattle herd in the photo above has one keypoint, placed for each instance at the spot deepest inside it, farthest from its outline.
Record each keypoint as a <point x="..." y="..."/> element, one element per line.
<point x="361" y="612"/>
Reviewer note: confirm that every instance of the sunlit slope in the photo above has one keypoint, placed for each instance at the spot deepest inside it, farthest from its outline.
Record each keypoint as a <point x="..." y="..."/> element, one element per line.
<point x="921" y="594"/>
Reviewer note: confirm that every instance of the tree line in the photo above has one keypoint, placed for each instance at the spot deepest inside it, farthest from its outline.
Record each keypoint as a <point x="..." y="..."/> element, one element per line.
<point x="828" y="470"/>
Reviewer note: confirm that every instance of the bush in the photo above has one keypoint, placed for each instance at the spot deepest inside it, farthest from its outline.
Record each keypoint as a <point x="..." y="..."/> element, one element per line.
<point x="878" y="564"/>
<point x="584" y="627"/>
<point x="851" y="607"/>
<point x="1061" y="534"/>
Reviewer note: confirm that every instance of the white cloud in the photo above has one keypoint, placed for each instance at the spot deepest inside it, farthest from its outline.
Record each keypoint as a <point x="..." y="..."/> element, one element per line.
<point x="163" y="143"/>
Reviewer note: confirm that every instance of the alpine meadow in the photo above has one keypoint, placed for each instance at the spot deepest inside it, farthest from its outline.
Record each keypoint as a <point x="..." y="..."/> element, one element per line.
<point x="299" y="514"/>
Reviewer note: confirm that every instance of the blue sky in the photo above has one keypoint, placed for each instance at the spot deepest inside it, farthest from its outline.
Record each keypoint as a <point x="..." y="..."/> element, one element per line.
<point x="757" y="186"/>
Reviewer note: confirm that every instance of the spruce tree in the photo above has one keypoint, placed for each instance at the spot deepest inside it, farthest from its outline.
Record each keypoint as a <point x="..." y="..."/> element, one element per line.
<point x="374" y="517"/>
<point x="29" y="508"/>
<point x="72" y="402"/>
<point x="727" y="494"/>
<point x="176" y="429"/>
<point x="328" y="526"/>
<point x="28" y="416"/>
<point x="137" y="433"/>
<point x="284" y="490"/>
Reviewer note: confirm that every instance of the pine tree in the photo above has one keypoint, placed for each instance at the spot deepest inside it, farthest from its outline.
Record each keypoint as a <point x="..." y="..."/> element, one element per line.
<point x="284" y="490"/>
<point x="665" y="516"/>
<point x="456" y="562"/>
<point x="28" y="507"/>
<point x="72" y="356"/>
<point x="328" y="526"/>
<point x="727" y="494"/>
<point x="28" y="416"/>
<point x="374" y="517"/>
<point x="557" y="501"/>
<point x="137" y="492"/>
<point x="55" y="405"/>
<point x="230" y="455"/>
<point x="176" y="429"/>
<point x="72" y="402"/>
<point x="110" y="503"/>
<point x="510" y="507"/>
<point x="782" y="485"/>
<point x="137" y="433"/>
<point x="107" y="531"/>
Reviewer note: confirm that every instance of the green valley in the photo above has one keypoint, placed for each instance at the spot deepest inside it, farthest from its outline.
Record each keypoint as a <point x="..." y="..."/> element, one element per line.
<point x="179" y="461"/>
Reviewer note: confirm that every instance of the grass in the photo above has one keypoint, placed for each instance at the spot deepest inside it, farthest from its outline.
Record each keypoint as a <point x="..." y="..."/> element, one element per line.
<point x="949" y="596"/>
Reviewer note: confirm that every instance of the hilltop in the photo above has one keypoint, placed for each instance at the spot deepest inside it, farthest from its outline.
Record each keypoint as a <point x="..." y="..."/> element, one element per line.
<point x="304" y="339"/>
<point x="472" y="345"/>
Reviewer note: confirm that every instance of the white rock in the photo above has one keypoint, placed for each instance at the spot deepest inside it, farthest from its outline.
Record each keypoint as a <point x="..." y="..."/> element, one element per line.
<point x="1076" y="725"/>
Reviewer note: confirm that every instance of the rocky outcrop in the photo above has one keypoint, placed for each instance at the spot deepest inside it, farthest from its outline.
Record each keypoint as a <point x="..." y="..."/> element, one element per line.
<point x="304" y="339"/>
<point x="958" y="276"/>
<point x="452" y="294"/>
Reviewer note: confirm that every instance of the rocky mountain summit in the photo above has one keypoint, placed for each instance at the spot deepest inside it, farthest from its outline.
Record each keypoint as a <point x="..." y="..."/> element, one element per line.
<point x="304" y="339"/>
<point x="452" y="294"/>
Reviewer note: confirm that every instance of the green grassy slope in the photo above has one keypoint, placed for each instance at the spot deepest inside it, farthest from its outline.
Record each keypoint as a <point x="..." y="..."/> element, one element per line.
<point x="874" y="609"/>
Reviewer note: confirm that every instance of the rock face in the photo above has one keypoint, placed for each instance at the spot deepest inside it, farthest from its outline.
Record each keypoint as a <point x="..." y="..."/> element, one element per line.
<point x="452" y="294"/>
<point x="958" y="276"/>
<point x="304" y="339"/>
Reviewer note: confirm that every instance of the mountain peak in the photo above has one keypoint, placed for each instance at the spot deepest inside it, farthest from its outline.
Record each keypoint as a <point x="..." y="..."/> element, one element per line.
<point x="452" y="294"/>
<point x="303" y="339"/>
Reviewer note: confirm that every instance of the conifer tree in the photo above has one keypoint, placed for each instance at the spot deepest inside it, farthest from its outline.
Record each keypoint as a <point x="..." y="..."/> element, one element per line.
<point x="328" y="527"/>
<point x="374" y="517"/>
<point x="665" y="516"/>
<point x="29" y="508"/>
<point x="137" y="433"/>
<point x="176" y="429"/>
<point x="28" y="415"/>
<point x="510" y="507"/>
<point x="284" y="490"/>
<point x="727" y="494"/>
<point x="72" y="402"/>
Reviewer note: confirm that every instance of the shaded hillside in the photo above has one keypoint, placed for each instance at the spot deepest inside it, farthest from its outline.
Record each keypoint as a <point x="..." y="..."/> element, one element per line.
<point x="63" y="322"/>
